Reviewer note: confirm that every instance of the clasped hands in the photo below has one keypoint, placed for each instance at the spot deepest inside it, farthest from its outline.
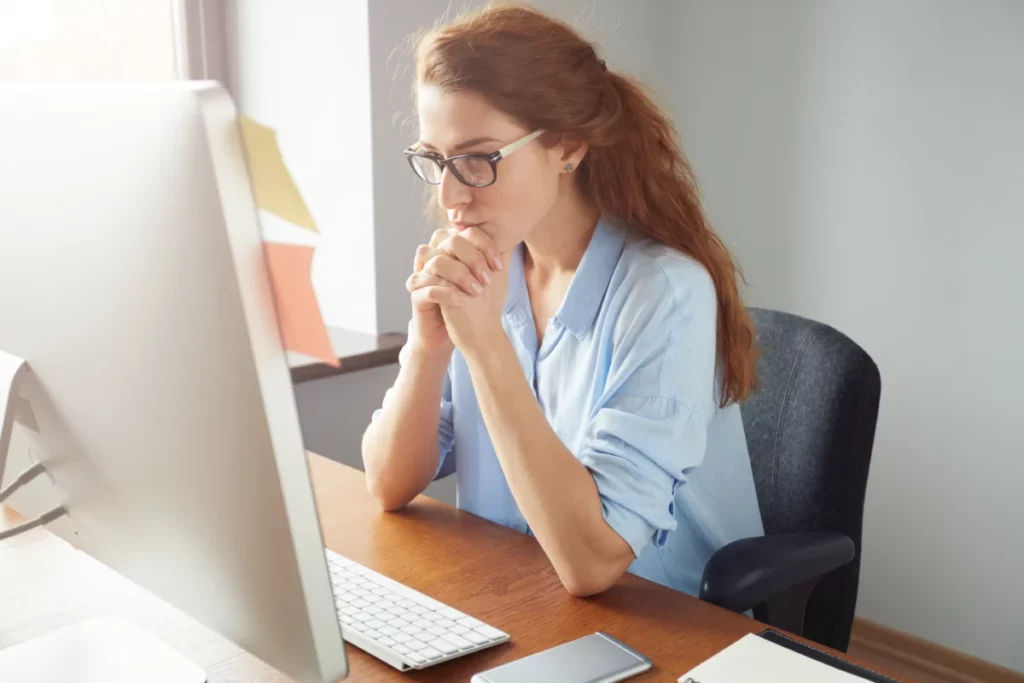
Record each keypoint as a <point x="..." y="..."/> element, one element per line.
<point x="458" y="286"/>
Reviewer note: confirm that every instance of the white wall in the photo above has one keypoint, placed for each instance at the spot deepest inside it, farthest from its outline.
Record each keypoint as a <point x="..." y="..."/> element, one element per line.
<point x="302" y="67"/>
<point x="864" y="160"/>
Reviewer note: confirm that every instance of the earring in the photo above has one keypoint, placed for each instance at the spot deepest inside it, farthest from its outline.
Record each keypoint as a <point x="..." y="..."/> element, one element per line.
<point x="567" y="168"/>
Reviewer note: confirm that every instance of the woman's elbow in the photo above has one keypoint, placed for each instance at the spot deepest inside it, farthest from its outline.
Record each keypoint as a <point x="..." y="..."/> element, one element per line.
<point x="584" y="583"/>
<point x="388" y="499"/>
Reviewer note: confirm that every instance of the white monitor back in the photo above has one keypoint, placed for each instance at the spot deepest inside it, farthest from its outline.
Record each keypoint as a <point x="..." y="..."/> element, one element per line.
<point x="132" y="280"/>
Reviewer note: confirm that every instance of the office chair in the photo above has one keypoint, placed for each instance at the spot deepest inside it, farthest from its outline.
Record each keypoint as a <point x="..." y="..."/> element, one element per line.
<point x="810" y="428"/>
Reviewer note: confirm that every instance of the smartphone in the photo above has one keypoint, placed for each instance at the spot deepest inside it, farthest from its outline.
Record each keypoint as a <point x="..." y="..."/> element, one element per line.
<point x="597" y="658"/>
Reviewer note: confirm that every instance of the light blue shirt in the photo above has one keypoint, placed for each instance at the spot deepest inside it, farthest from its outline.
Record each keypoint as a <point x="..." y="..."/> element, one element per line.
<point x="626" y="376"/>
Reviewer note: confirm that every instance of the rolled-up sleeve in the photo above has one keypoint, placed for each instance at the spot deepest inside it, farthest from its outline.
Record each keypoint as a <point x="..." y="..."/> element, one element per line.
<point x="445" y="427"/>
<point x="649" y="426"/>
<point x="638" y="450"/>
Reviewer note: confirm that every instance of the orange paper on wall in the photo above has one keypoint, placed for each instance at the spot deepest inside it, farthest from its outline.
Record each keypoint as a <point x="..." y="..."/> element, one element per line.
<point x="298" y="313"/>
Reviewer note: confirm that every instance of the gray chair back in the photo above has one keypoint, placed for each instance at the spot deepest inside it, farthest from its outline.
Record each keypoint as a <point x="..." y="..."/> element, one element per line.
<point x="810" y="428"/>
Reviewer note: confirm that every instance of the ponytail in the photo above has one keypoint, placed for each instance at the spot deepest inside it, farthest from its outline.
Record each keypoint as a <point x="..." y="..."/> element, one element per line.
<point x="540" y="71"/>
<point x="641" y="176"/>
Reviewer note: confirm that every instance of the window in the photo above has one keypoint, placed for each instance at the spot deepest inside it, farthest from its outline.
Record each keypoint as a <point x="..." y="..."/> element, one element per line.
<point x="89" y="40"/>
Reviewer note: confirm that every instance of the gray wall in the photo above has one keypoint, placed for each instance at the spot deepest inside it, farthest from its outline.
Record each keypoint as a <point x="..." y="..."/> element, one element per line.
<point x="864" y="160"/>
<point x="334" y="412"/>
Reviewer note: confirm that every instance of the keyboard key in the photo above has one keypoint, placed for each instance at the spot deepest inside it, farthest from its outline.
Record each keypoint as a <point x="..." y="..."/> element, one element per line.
<point x="414" y="626"/>
<point x="444" y="646"/>
<point x="476" y="638"/>
<point x="458" y="641"/>
<point x="451" y="613"/>
<point x="489" y="632"/>
<point x="470" y="622"/>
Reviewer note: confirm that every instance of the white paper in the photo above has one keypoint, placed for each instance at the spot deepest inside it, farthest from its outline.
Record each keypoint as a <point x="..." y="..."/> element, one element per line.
<point x="753" y="659"/>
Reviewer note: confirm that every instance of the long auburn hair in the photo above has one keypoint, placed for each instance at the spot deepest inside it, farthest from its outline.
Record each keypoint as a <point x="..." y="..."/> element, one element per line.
<point x="538" y="70"/>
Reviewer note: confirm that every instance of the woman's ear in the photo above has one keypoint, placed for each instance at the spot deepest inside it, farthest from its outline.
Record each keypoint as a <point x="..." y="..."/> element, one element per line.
<point x="573" y="151"/>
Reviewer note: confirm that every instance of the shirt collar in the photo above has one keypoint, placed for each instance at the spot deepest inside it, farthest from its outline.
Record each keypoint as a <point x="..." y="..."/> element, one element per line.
<point x="588" y="286"/>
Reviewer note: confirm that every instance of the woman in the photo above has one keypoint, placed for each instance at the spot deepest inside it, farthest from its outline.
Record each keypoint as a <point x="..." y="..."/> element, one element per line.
<point x="578" y="343"/>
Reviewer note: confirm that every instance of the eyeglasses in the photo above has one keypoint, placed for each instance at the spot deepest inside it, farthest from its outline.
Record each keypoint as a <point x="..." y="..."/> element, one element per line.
<point x="475" y="170"/>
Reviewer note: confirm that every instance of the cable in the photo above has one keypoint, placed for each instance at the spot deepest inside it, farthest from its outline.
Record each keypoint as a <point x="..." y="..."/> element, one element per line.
<point x="22" y="479"/>
<point x="45" y="518"/>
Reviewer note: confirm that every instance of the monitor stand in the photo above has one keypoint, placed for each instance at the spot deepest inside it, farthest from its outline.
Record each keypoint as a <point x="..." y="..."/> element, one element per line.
<point x="103" y="650"/>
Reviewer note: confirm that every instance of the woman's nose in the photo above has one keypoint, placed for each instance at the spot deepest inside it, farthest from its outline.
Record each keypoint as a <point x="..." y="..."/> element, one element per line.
<point x="451" y="192"/>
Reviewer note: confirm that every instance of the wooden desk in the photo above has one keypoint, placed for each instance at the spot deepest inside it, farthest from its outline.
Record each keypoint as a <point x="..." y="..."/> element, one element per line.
<point x="493" y="573"/>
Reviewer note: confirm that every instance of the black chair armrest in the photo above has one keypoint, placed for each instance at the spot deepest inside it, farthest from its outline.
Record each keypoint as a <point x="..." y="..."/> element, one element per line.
<point x="749" y="572"/>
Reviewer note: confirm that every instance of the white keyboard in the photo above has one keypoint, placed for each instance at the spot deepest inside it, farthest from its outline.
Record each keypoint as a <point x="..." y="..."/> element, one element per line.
<point x="398" y="625"/>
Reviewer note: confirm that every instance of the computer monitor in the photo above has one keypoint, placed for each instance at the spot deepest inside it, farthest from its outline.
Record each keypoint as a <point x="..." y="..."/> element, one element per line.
<point x="133" y="282"/>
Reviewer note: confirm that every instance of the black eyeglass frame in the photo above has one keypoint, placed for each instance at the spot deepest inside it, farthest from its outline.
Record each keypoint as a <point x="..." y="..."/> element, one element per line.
<point x="493" y="158"/>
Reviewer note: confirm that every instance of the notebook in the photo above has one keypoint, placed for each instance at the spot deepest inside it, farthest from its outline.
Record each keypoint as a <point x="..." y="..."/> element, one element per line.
<point x="771" y="657"/>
